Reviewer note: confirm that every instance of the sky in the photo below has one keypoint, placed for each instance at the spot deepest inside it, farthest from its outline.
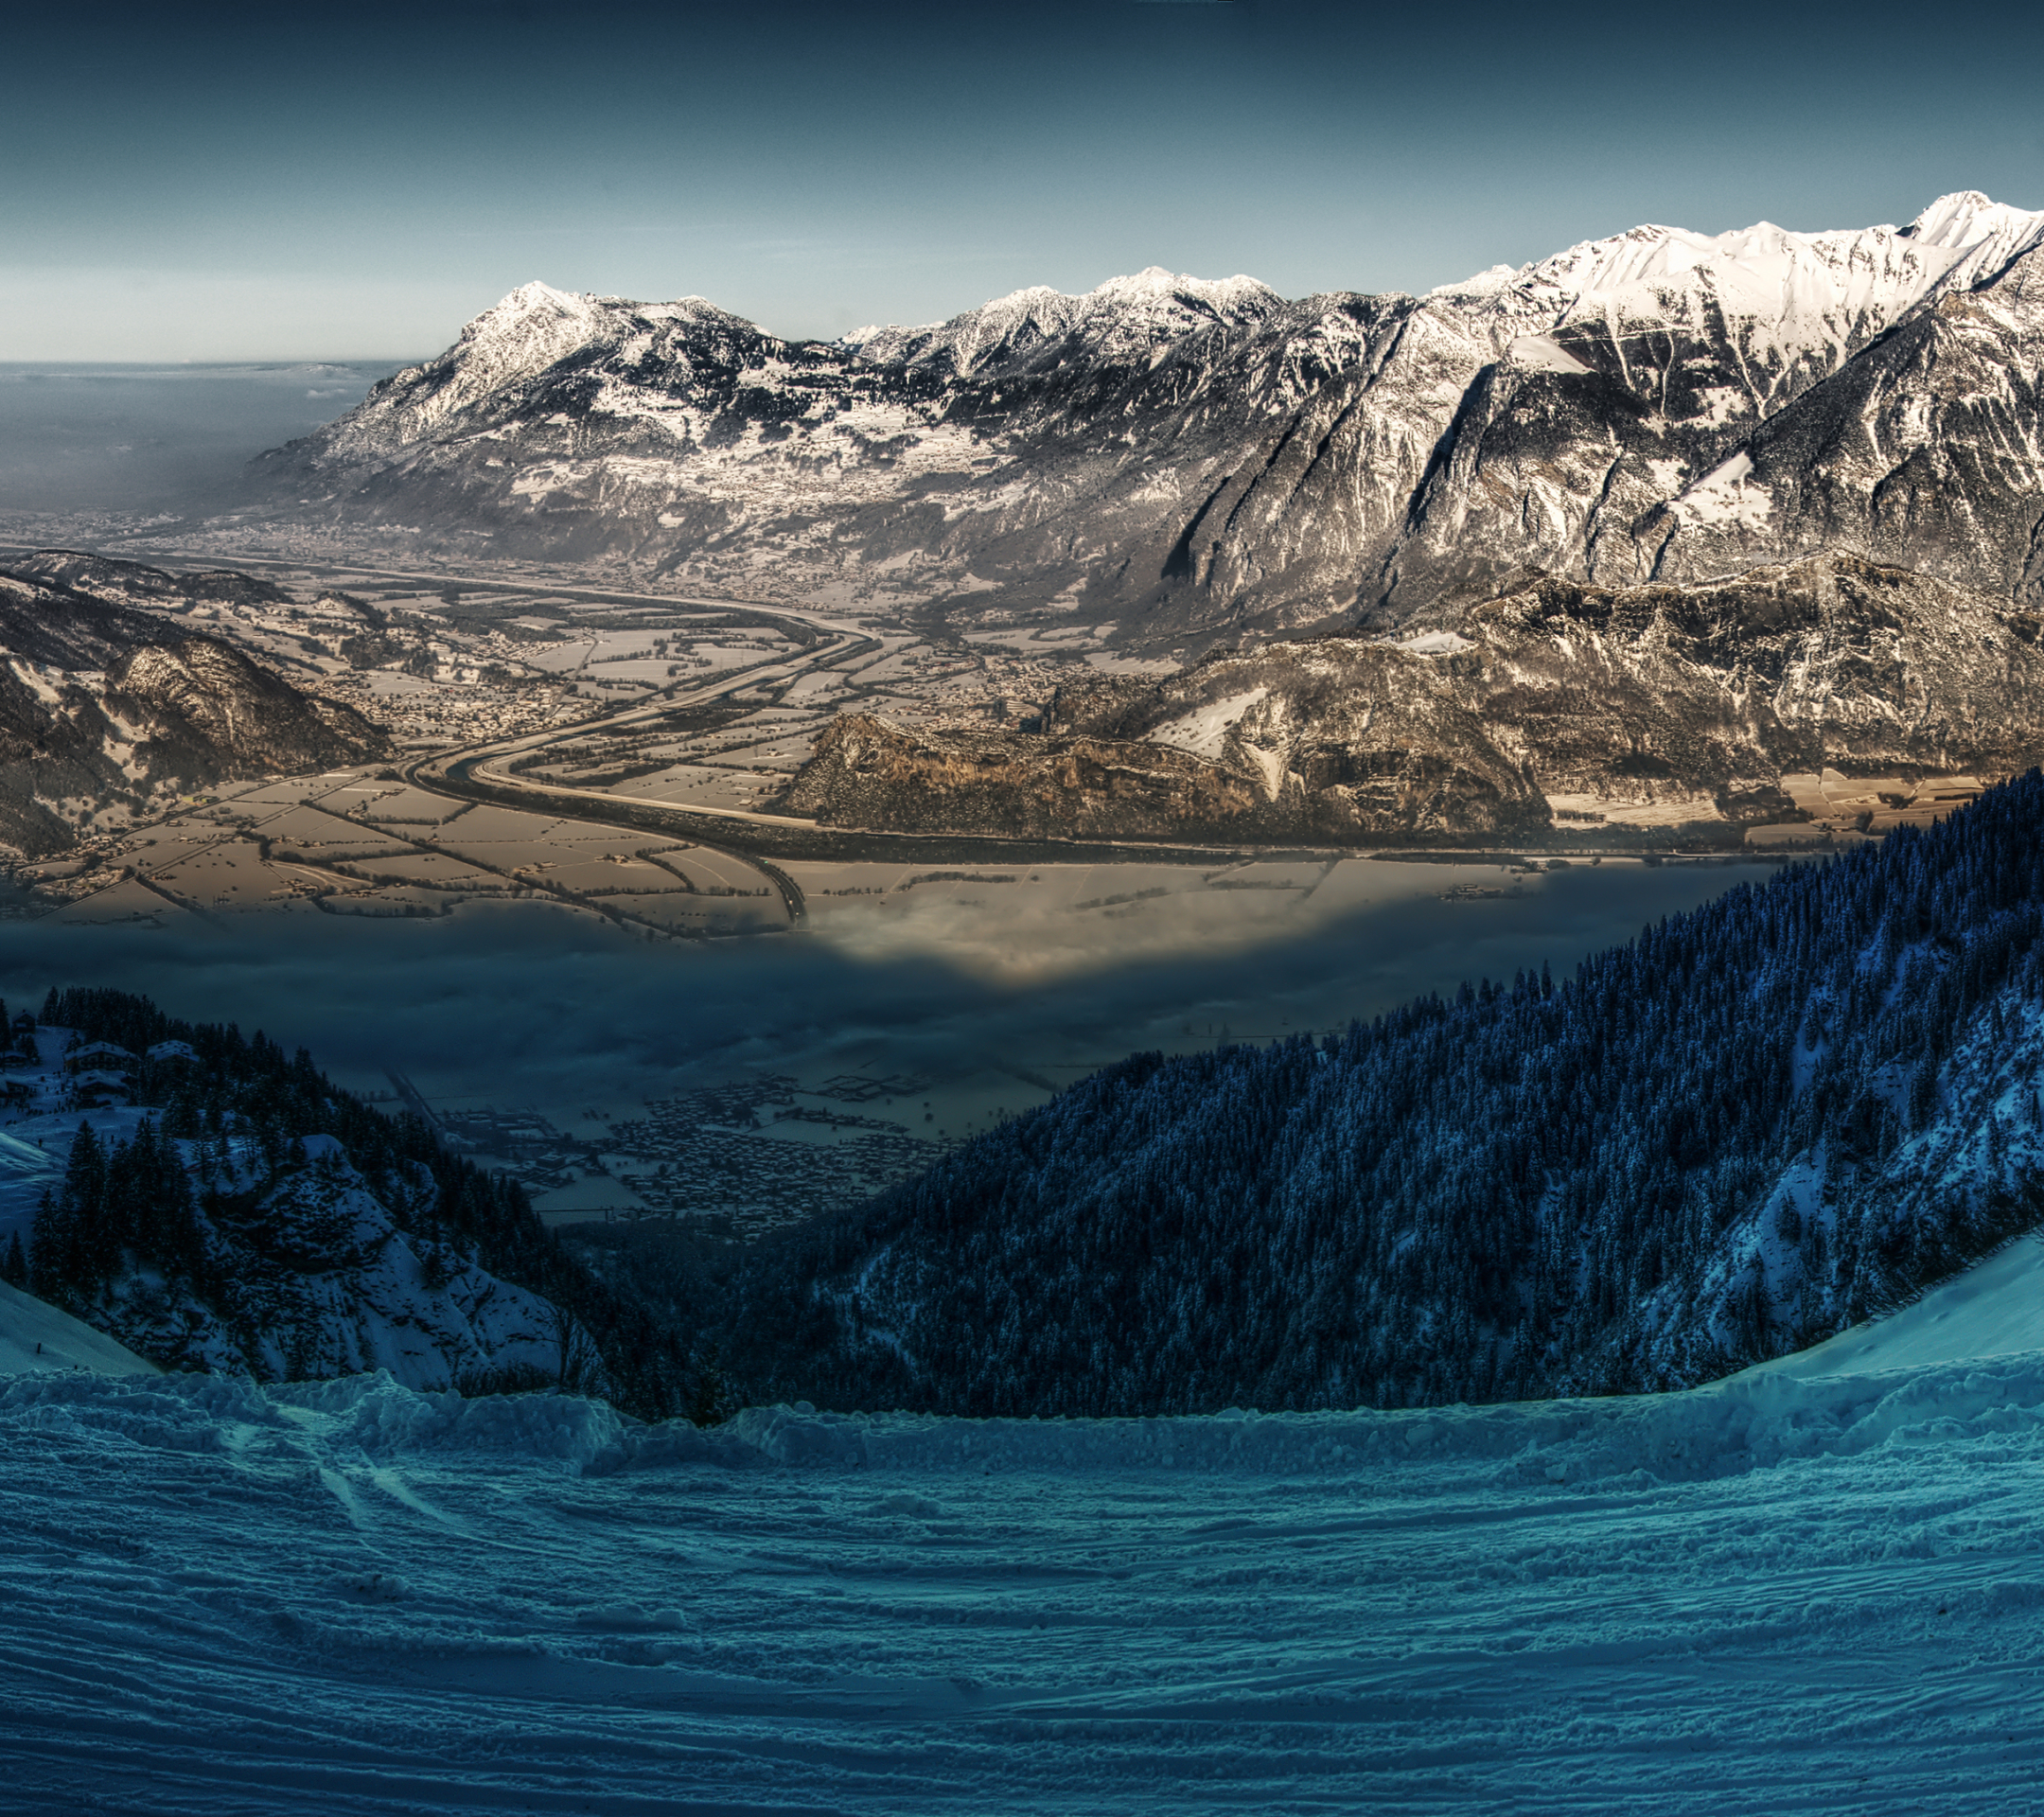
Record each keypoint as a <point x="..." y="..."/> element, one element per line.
<point x="228" y="182"/>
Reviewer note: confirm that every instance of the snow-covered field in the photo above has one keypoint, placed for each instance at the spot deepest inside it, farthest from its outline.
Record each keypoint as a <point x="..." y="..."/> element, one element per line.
<point x="1773" y="1594"/>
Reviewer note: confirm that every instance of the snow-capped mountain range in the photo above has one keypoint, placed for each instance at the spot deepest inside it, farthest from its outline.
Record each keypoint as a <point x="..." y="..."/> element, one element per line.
<point x="1179" y="457"/>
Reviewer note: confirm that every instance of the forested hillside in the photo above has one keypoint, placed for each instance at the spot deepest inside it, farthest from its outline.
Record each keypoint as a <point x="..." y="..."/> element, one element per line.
<point x="262" y="1219"/>
<point x="1757" y="1123"/>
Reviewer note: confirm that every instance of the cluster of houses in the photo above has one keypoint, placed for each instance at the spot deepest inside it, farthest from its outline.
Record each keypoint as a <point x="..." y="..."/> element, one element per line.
<point x="93" y="1072"/>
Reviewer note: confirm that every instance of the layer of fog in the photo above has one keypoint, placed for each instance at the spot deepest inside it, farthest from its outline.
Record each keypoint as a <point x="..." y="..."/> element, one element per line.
<point x="528" y="1005"/>
<point x="155" y="438"/>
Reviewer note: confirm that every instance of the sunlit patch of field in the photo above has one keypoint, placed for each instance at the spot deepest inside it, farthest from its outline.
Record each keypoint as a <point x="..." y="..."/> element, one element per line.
<point x="405" y="807"/>
<point x="128" y="900"/>
<point x="493" y="822"/>
<point x="608" y="874"/>
<point x="231" y="874"/>
<point x="699" y="785"/>
<point x="312" y="827"/>
<point x="681" y="913"/>
<point x="1843" y="810"/>
<point x="293" y="848"/>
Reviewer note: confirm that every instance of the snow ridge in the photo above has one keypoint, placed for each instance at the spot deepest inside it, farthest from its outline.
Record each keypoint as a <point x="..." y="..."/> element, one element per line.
<point x="1120" y="319"/>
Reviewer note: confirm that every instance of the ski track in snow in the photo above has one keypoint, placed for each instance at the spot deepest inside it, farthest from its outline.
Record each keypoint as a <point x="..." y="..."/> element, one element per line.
<point x="1767" y="1595"/>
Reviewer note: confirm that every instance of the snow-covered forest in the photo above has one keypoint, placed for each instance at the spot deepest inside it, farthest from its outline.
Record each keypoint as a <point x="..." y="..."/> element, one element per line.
<point x="1756" y="1124"/>
<point x="242" y="1214"/>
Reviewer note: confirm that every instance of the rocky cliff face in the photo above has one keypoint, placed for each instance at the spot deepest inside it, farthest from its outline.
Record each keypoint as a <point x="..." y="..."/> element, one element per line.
<point x="1182" y="458"/>
<point x="103" y="706"/>
<point x="1650" y="706"/>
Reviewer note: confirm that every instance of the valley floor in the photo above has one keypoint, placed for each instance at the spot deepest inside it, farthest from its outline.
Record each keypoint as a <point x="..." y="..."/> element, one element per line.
<point x="1772" y="1594"/>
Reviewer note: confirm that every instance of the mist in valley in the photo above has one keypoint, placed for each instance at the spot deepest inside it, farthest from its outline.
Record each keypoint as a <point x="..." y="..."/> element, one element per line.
<point x="522" y="1004"/>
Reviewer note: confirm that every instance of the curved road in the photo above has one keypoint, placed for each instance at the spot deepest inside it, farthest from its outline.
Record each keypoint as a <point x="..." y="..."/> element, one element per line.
<point x="482" y="772"/>
<point x="478" y="771"/>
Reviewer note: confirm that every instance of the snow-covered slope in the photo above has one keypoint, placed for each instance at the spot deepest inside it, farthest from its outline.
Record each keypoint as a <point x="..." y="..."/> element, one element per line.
<point x="1994" y="1309"/>
<point x="1180" y="455"/>
<point x="36" y="1335"/>
<point x="319" y="1279"/>
<point x="1762" y="1596"/>
<point x="276" y="1261"/>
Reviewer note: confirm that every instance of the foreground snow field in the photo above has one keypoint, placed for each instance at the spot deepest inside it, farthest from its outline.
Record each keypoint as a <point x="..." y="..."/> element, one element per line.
<point x="1771" y="1595"/>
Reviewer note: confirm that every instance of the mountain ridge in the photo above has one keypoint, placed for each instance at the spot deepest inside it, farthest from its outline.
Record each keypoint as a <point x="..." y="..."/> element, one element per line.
<point x="107" y="704"/>
<point x="1185" y="458"/>
<point x="1632" y="712"/>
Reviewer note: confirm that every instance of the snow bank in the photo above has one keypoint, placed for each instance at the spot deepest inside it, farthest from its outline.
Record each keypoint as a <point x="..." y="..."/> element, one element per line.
<point x="1757" y="1420"/>
<point x="381" y="1417"/>
<point x="1762" y="1419"/>
<point x="142" y="1414"/>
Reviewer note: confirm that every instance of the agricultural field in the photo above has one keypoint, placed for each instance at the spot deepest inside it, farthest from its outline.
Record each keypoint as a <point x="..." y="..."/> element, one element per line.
<point x="353" y="842"/>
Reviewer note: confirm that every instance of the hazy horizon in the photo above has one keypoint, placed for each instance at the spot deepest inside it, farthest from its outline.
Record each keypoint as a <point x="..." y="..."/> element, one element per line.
<point x="152" y="436"/>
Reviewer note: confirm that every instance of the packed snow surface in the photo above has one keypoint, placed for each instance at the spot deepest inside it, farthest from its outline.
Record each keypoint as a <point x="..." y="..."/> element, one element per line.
<point x="36" y="1335"/>
<point x="1995" y="1308"/>
<point x="1771" y="1595"/>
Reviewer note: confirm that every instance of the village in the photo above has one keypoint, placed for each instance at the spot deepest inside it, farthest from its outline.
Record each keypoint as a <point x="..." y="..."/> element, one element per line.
<point x="736" y="1159"/>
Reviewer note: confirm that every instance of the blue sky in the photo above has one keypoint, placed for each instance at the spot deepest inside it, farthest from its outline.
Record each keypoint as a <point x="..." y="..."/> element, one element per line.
<point x="229" y="183"/>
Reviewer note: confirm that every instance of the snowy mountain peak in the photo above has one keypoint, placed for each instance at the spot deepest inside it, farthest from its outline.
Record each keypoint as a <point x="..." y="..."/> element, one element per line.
<point x="1486" y="282"/>
<point x="1965" y="218"/>
<point x="1982" y="236"/>
<point x="531" y="305"/>
<point x="519" y="337"/>
<point x="1122" y="318"/>
<point x="1799" y="293"/>
<point x="1153" y="283"/>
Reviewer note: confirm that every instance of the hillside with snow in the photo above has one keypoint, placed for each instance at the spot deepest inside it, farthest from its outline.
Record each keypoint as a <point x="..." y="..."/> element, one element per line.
<point x="36" y="1335"/>
<point x="1177" y="456"/>
<point x="1553" y="712"/>
<point x="110" y="708"/>
<point x="1757" y="1124"/>
<point x="209" y="1205"/>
